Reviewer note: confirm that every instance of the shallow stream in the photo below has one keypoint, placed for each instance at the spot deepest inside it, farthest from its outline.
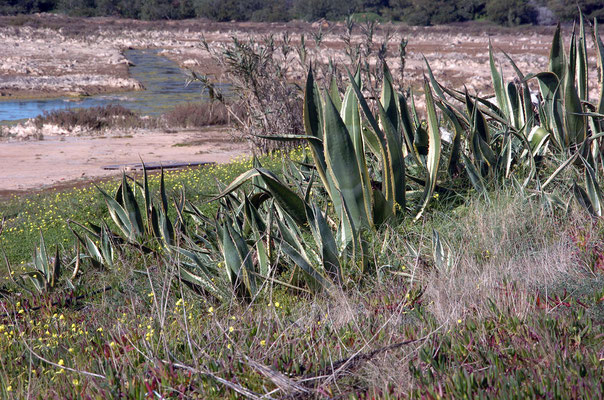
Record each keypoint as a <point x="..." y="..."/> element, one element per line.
<point x="164" y="82"/>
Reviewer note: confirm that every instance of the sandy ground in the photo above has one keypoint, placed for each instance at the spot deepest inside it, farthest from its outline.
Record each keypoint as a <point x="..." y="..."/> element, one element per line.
<point x="51" y="54"/>
<point x="57" y="160"/>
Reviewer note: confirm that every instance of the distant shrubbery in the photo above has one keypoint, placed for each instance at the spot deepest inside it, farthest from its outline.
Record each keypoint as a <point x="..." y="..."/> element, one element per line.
<point x="417" y="12"/>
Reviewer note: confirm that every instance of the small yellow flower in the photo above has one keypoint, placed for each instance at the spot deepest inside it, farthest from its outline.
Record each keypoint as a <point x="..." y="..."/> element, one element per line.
<point x="277" y="304"/>
<point x="70" y="350"/>
<point x="263" y="342"/>
<point x="61" y="362"/>
<point x="75" y="382"/>
<point x="211" y="310"/>
<point x="9" y="388"/>
<point x="231" y="329"/>
<point x="459" y="321"/>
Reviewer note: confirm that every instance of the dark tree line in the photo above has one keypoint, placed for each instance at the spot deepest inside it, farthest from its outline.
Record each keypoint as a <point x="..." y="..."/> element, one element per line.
<point x="417" y="12"/>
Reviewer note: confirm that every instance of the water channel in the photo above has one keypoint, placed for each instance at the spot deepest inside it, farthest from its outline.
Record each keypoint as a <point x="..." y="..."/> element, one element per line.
<point x="164" y="82"/>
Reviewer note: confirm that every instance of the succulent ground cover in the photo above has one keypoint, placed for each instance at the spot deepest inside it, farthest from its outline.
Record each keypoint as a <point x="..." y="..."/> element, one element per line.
<point x="452" y="254"/>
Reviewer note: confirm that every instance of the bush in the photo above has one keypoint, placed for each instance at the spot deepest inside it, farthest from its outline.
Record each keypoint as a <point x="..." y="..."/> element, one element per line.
<point x="197" y="115"/>
<point x="511" y="12"/>
<point x="567" y="9"/>
<point x="93" y="118"/>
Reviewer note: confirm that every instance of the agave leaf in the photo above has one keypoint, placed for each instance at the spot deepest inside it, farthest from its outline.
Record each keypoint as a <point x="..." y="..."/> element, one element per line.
<point x="313" y="278"/>
<point x="293" y="138"/>
<point x="441" y="253"/>
<point x="388" y="99"/>
<point x="593" y="189"/>
<point x="498" y="84"/>
<point x="287" y="199"/>
<point x="557" y="62"/>
<point x="132" y="209"/>
<point x="312" y="107"/>
<point x="574" y="120"/>
<point x="325" y="242"/>
<point x="147" y="198"/>
<point x="479" y="136"/>
<point x="41" y="259"/>
<point x="351" y="117"/>
<point x="528" y="115"/>
<point x="382" y="209"/>
<point x="407" y="128"/>
<point x="549" y="85"/>
<point x="434" y="150"/>
<point x="292" y="203"/>
<point x="478" y="120"/>
<point x="421" y="143"/>
<point x="37" y="279"/>
<point x="473" y="174"/>
<point x="166" y="229"/>
<point x="253" y="220"/>
<point x="435" y="85"/>
<point x="453" y="164"/>
<point x="514" y="107"/>
<point x="56" y="269"/>
<point x="347" y="233"/>
<point x="334" y="93"/>
<point x="203" y="279"/>
<point x="600" y="63"/>
<point x="238" y="260"/>
<point x="583" y="198"/>
<point x="289" y="235"/>
<point x="377" y="132"/>
<point x="117" y="213"/>
<point x="106" y="247"/>
<point x="537" y="138"/>
<point x="200" y="281"/>
<point x="366" y="110"/>
<point x="162" y="191"/>
<point x="342" y="163"/>
<point x="313" y="126"/>
<point x="93" y="250"/>
<point x="373" y="142"/>
<point x="582" y="67"/>
<point x="562" y="166"/>
<point x="396" y="163"/>
<point x="262" y="253"/>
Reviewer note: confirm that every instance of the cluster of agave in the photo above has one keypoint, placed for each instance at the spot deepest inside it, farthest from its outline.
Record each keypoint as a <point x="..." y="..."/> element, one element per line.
<point x="373" y="162"/>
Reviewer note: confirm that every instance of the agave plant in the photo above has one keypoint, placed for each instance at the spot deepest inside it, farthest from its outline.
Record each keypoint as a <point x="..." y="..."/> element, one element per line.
<point x="47" y="273"/>
<point x="134" y="226"/>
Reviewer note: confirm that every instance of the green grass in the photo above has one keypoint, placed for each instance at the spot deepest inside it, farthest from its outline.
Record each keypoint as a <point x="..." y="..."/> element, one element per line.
<point x="49" y="211"/>
<point x="518" y="314"/>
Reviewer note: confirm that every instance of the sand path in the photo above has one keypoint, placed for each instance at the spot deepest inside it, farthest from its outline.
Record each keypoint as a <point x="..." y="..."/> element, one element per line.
<point x="37" y="165"/>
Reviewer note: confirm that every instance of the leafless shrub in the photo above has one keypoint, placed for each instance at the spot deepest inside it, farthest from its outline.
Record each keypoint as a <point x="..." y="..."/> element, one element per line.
<point x="93" y="118"/>
<point x="258" y="72"/>
<point x="267" y="76"/>
<point x="197" y="115"/>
